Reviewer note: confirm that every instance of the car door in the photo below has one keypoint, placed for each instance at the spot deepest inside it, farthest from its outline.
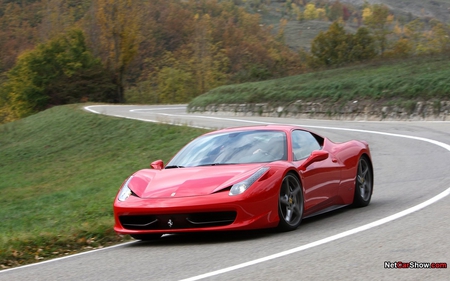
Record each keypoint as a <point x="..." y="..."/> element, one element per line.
<point x="321" y="179"/>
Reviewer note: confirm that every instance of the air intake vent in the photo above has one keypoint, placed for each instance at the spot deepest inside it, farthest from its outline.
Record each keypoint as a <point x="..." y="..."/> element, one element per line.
<point x="177" y="221"/>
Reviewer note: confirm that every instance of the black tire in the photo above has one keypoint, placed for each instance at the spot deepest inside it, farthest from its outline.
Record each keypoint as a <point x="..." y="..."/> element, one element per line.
<point x="363" y="183"/>
<point x="146" y="237"/>
<point x="290" y="203"/>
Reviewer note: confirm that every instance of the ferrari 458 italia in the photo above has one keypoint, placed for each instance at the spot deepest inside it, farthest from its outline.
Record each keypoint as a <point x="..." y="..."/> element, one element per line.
<point x="245" y="178"/>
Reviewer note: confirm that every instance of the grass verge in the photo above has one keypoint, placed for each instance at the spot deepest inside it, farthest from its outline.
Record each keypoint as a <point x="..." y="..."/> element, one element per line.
<point x="421" y="78"/>
<point x="59" y="173"/>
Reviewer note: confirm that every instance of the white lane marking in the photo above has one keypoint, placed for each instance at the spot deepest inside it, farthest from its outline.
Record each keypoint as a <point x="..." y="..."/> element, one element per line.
<point x="446" y="146"/>
<point x="325" y="240"/>
<point x="153" y="109"/>
<point x="89" y="108"/>
<point x="66" y="257"/>
<point x="217" y="118"/>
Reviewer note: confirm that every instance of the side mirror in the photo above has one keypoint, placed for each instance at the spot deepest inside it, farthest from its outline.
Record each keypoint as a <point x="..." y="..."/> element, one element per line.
<point x="316" y="156"/>
<point x="157" y="165"/>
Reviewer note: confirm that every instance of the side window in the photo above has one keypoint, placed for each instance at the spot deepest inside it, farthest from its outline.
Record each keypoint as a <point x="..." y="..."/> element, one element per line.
<point x="303" y="143"/>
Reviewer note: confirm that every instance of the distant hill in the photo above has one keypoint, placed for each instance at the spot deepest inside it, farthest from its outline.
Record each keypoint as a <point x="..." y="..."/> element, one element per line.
<point x="299" y="34"/>
<point x="439" y="9"/>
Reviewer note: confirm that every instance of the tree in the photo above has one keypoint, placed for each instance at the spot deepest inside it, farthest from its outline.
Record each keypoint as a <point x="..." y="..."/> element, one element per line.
<point x="401" y="49"/>
<point x="377" y="17"/>
<point x="18" y="30"/>
<point x="297" y="12"/>
<point x="215" y="42"/>
<point x="331" y="47"/>
<point x="414" y="31"/>
<point x="439" y="39"/>
<point x="336" y="11"/>
<point x="119" y="22"/>
<point x="57" y="72"/>
<point x="56" y="18"/>
<point x="336" y="47"/>
<point x="423" y="41"/>
<point x="209" y="62"/>
<point x="173" y="85"/>
<point x="5" y="110"/>
<point x="363" y="46"/>
<point x="310" y="12"/>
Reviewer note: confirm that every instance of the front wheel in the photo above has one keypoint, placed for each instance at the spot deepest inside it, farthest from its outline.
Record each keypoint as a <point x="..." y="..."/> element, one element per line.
<point x="290" y="203"/>
<point x="364" y="183"/>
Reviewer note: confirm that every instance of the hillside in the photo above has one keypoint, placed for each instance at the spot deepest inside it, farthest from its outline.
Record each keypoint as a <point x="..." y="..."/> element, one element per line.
<point x="400" y="84"/>
<point x="299" y="34"/>
<point x="439" y="9"/>
<point x="171" y="51"/>
<point x="60" y="170"/>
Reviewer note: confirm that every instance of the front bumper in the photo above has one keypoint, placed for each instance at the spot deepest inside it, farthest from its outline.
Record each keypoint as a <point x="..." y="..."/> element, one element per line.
<point x="215" y="212"/>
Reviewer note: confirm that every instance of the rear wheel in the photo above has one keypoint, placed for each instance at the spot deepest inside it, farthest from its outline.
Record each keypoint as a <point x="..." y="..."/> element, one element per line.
<point x="364" y="183"/>
<point x="290" y="203"/>
<point x="146" y="237"/>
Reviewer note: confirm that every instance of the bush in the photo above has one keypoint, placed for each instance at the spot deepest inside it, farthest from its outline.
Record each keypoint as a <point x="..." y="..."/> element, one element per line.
<point x="58" y="72"/>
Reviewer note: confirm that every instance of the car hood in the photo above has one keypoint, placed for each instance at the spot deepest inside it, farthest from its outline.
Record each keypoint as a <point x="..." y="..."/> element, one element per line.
<point x="190" y="181"/>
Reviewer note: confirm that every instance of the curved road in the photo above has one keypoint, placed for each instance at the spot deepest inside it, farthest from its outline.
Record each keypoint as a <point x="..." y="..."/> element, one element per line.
<point x="407" y="220"/>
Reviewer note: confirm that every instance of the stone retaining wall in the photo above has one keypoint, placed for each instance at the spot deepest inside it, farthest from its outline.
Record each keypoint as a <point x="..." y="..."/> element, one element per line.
<point x="354" y="110"/>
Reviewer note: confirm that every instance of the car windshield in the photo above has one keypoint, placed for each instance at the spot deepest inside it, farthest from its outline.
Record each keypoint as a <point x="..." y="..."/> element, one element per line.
<point x="232" y="148"/>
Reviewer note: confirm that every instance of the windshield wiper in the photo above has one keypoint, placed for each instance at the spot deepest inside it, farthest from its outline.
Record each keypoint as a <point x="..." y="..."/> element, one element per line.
<point x="215" y="164"/>
<point x="173" y="166"/>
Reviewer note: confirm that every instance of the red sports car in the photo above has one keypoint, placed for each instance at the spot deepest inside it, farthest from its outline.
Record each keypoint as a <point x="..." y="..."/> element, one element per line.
<point x="245" y="178"/>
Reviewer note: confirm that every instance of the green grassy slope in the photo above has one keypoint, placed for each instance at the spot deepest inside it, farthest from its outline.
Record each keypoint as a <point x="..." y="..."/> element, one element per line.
<point x="59" y="173"/>
<point x="422" y="78"/>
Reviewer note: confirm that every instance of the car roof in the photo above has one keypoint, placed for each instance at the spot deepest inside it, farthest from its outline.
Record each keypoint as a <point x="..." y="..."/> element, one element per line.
<point x="272" y="127"/>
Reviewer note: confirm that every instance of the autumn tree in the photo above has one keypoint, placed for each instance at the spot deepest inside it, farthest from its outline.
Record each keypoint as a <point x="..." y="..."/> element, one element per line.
<point x="297" y="12"/>
<point x="209" y="62"/>
<point x="18" y="30"/>
<point x="6" y="114"/>
<point x="439" y="38"/>
<point x="424" y="38"/>
<point x="310" y="12"/>
<point x="173" y="85"/>
<point x="401" y="48"/>
<point x="119" y="22"/>
<point x="197" y="68"/>
<point x="56" y="19"/>
<point x="335" y="11"/>
<point x="204" y="44"/>
<point x="378" y="18"/>
<point x="59" y="16"/>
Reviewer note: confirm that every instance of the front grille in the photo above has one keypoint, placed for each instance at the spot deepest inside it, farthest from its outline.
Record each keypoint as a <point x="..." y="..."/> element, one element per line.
<point x="177" y="221"/>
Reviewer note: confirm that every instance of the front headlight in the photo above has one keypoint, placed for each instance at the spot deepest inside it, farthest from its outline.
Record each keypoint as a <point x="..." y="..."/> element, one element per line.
<point x="125" y="191"/>
<point x="242" y="186"/>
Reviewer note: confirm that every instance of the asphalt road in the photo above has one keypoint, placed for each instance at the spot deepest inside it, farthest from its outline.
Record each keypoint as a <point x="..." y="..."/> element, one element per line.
<point x="407" y="220"/>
